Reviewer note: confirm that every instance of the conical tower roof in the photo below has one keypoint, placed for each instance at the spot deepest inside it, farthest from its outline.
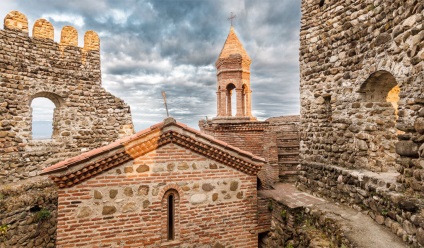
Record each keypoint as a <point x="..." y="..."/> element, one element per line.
<point x="233" y="46"/>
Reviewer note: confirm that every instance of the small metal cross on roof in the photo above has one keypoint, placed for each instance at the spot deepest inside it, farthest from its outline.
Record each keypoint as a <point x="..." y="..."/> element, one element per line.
<point x="232" y="16"/>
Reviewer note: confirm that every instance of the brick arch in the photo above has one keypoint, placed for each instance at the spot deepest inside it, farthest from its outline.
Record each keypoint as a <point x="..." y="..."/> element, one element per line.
<point x="171" y="186"/>
<point x="164" y="195"/>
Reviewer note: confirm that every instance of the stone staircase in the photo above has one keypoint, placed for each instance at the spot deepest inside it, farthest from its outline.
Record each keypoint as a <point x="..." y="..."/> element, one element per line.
<point x="288" y="153"/>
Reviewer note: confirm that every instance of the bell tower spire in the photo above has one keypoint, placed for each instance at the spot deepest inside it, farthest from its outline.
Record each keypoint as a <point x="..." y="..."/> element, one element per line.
<point x="233" y="74"/>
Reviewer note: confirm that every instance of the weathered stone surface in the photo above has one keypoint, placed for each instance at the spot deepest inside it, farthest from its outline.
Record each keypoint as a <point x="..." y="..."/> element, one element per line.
<point x="419" y="125"/>
<point x="213" y="166"/>
<point x="198" y="198"/>
<point x="234" y="185"/>
<point x="420" y="236"/>
<point x="407" y="148"/>
<point x="142" y="168"/>
<point x="207" y="187"/>
<point x="84" y="212"/>
<point x="215" y="197"/>
<point x="170" y="166"/>
<point x="408" y="205"/>
<point x="98" y="194"/>
<point x="113" y="193"/>
<point x="143" y="190"/>
<point x="129" y="169"/>
<point x="379" y="219"/>
<point x="129" y="207"/>
<point x="146" y="203"/>
<point x="183" y="166"/>
<point x="108" y="210"/>
<point x="128" y="191"/>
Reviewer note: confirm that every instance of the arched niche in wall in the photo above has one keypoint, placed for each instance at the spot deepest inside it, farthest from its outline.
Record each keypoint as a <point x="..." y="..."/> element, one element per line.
<point x="379" y="97"/>
<point x="45" y="112"/>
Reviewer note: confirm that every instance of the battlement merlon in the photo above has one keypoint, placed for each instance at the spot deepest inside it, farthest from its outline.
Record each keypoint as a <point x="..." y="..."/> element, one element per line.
<point x="43" y="30"/>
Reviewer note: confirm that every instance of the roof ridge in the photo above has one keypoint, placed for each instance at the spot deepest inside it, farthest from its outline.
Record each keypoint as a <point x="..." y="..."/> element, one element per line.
<point x="233" y="45"/>
<point x="162" y="139"/>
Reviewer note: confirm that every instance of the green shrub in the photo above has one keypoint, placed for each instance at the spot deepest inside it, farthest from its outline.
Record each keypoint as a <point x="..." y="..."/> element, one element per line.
<point x="42" y="215"/>
<point x="3" y="231"/>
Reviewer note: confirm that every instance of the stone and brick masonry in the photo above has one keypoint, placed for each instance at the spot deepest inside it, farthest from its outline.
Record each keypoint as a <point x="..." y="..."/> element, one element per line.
<point x="362" y="108"/>
<point x="117" y="195"/>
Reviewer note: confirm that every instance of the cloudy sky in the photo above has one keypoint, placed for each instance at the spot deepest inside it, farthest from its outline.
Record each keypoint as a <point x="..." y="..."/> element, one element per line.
<point x="149" y="46"/>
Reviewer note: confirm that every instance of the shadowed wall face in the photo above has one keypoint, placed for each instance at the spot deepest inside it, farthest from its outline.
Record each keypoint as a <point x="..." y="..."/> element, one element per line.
<point x="362" y="102"/>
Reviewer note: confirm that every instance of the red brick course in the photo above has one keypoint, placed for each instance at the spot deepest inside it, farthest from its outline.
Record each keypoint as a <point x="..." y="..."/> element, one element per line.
<point x="206" y="223"/>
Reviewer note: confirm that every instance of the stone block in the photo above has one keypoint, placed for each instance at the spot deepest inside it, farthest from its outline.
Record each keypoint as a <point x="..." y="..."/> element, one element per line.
<point x="207" y="187"/>
<point x="128" y="191"/>
<point x="129" y="207"/>
<point x="143" y="190"/>
<point x="183" y="166"/>
<point x="142" y="168"/>
<point x="234" y="185"/>
<point x="113" y="193"/>
<point x="129" y="169"/>
<point x="84" y="212"/>
<point x="407" y="148"/>
<point x="98" y="195"/>
<point x="198" y="198"/>
<point x="419" y="125"/>
<point x="108" y="210"/>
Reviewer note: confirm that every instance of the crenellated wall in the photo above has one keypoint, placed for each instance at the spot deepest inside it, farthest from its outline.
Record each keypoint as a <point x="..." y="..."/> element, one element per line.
<point x="85" y="115"/>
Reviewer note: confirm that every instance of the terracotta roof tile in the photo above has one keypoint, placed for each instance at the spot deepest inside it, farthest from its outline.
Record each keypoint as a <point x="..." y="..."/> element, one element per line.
<point x="124" y="155"/>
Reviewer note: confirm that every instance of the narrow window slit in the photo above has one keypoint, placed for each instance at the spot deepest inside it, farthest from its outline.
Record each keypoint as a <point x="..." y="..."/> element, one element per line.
<point x="171" y="232"/>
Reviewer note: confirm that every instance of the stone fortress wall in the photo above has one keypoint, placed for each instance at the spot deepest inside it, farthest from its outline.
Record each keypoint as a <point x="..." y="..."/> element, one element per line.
<point x="85" y="116"/>
<point x="362" y="108"/>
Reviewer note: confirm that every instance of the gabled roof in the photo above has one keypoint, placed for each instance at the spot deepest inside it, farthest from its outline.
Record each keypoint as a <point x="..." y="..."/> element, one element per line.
<point x="233" y="46"/>
<point x="89" y="164"/>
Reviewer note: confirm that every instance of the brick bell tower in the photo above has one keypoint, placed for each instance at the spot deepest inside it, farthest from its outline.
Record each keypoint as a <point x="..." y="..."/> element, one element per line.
<point x="233" y="73"/>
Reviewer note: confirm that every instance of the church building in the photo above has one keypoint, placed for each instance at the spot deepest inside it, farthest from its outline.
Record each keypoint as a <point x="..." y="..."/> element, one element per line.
<point x="167" y="186"/>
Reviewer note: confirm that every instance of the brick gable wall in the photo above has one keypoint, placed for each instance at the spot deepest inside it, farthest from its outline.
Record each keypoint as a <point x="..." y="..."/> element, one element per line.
<point x="124" y="206"/>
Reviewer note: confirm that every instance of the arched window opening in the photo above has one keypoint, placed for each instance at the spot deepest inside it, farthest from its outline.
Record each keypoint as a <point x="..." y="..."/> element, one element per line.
<point x="171" y="211"/>
<point x="379" y="109"/>
<point x="381" y="86"/>
<point x="45" y="111"/>
<point x="42" y="118"/>
<point x="170" y="215"/>
<point x="231" y="99"/>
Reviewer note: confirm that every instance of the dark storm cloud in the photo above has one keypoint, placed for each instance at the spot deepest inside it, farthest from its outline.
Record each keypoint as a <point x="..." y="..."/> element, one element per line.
<point x="152" y="46"/>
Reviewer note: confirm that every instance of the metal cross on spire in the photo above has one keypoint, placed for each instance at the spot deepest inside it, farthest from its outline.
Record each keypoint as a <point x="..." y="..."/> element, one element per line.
<point x="232" y="16"/>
